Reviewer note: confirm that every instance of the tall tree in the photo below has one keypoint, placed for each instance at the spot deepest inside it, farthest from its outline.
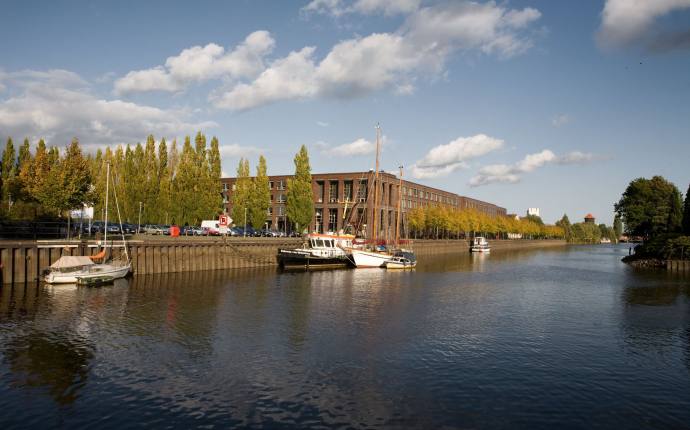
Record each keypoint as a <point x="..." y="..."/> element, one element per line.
<point x="650" y="206"/>
<point x="241" y="194"/>
<point x="260" y="199"/>
<point x="564" y="223"/>
<point x="300" y="199"/>
<point x="150" y="178"/>
<point x="67" y="185"/>
<point x="187" y="185"/>
<point x="9" y="168"/>
<point x="686" y="213"/>
<point x="215" y="186"/>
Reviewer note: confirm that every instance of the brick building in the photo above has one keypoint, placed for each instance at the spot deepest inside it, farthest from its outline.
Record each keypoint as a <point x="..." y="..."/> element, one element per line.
<point x="340" y="201"/>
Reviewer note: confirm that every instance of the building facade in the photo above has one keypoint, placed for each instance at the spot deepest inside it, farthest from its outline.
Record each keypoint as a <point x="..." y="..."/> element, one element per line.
<point x="345" y="201"/>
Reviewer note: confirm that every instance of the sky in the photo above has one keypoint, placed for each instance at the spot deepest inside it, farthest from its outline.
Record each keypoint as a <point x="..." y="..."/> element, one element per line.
<point x="556" y="105"/>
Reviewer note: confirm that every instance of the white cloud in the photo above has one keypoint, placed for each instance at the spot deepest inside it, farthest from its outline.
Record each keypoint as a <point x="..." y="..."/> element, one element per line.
<point x="511" y="174"/>
<point x="560" y="120"/>
<point x="198" y="64"/>
<point x="338" y="8"/>
<point x="234" y="150"/>
<point x="58" y="105"/>
<point x="322" y="124"/>
<point x="358" y="147"/>
<point x="445" y="159"/>
<point x="379" y="61"/>
<point x="627" y="22"/>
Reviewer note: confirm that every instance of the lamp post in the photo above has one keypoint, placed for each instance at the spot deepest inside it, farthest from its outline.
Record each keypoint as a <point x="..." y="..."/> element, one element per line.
<point x="244" y="231"/>
<point x="139" y="226"/>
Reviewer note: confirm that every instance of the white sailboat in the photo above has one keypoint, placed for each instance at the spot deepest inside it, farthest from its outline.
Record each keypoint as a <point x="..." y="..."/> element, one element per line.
<point x="70" y="269"/>
<point x="374" y="257"/>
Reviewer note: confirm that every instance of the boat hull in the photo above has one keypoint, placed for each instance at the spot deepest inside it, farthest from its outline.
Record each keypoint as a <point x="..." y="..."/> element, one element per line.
<point x="296" y="260"/>
<point x="400" y="266"/>
<point x="363" y="259"/>
<point x="115" y="272"/>
<point x="476" y="249"/>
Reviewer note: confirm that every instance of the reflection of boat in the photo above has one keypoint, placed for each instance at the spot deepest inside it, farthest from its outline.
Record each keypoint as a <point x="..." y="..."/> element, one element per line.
<point x="320" y="251"/>
<point x="70" y="269"/>
<point x="479" y="244"/>
<point x="402" y="259"/>
<point x="95" y="281"/>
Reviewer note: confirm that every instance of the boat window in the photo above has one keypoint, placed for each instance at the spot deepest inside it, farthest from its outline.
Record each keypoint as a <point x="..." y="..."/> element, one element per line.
<point x="319" y="243"/>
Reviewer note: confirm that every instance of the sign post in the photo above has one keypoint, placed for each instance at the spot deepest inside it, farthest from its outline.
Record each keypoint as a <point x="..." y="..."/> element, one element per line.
<point x="223" y="222"/>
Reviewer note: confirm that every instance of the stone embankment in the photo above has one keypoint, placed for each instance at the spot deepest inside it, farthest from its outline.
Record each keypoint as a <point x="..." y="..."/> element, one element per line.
<point x="23" y="261"/>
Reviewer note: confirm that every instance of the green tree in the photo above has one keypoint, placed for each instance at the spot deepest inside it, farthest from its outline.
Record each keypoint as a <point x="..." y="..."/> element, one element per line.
<point x="260" y="199"/>
<point x="241" y="195"/>
<point x="186" y="186"/>
<point x="686" y="213"/>
<point x="67" y="185"/>
<point x="650" y="206"/>
<point x="215" y="187"/>
<point x="535" y="219"/>
<point x="564" y="223"/>
<point x="300" y="200"/>
<point x="9" y="168"/>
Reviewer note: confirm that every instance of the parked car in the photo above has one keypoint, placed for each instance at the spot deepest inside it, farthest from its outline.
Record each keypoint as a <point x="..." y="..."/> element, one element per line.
<point x="150" y="229"/>
<point x="269" y="233"/>
<point x="164" y="229"/>
<point x="129" y="228"/>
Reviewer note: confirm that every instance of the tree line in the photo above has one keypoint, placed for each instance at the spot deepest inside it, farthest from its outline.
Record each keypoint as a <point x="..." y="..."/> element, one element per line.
<point x="442" y="222"/>
<point x="165" y="184"/>
<point x="589" y="232"/>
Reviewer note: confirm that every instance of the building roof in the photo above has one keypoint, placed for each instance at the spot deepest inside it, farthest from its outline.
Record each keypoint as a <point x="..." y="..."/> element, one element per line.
<point x="589" y="216"/>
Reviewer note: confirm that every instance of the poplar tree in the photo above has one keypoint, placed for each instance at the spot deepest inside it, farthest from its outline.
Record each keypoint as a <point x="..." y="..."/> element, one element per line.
<point x="686" y="213"/>
<point x="242" y="193"/>
<point x="186" y="185"/>
<point x="23" y="165"/>
<point x="260" y="199"/>
<point x="215" y="186"/>
<point x="163" y="192"/>
<point x="617" y="227"/>
<point x="9" y="169"/>
<point x="67" y="185"/>
<point x="173" y="163"/>
<point x="300" y="203"/>
<point x="149" y="177"/>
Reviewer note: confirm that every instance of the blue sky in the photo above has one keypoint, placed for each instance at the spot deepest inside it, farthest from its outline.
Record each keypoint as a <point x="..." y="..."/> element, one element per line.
<point x="556" y="105"/>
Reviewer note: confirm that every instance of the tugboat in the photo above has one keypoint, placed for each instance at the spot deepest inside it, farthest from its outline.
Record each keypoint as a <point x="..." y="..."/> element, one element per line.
<point x="321" y="251"/>
<point x="479" y="244"/>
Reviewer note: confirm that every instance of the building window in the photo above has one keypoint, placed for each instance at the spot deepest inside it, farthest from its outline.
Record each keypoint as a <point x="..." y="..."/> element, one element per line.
<point x="333" y="192"/>
<point x="281" y="210"/>
<point x="319" y="220"/>
<point x="319" y="191"/>
<point x="347" y="191"/>
<point x="270" y="185"/>
<point x="270" y="211"/>
<point x="281" y="198"/>
<point x="225" y="186"/>
<point x="281" y="184"/>
<point x="362" y="191"/>
<point x="332" y="219"/>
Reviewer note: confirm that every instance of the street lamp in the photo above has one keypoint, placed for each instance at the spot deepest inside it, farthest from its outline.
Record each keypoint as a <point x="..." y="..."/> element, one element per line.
<point x="139" y="227"/>
<point x="244" y="231"/>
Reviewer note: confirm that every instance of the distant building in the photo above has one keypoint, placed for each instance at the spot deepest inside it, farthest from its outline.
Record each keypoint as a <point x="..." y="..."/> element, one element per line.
<point x="516" y="217"/>
<point x="589" y="218"/>
<point x="533" y="211"/>
<point x="340" y="200"/>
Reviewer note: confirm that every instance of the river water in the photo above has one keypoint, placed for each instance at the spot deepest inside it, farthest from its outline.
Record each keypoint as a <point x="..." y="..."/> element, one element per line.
<point x="558" y="338"/>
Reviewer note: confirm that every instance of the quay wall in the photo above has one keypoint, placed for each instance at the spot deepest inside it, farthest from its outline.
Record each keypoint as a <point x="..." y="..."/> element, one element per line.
<point x="23" y="261"/>
<point x="678" y="265"/>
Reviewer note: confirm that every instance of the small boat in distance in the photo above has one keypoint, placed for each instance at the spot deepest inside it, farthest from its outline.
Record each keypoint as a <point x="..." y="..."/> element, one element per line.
<point x="402" y="259"/>
<point x="480" y="244"/>
<point x="321" y="251"/>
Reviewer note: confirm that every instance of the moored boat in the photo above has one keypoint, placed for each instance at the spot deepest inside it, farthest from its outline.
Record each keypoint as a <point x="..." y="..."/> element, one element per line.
<point x="402" y="259"/>
<point x="480" y="244"/>
<point x="71" y="269"/>
<point x="320" y="251"/>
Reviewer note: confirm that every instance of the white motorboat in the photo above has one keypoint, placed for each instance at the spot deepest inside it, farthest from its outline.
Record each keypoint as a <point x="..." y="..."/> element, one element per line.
<point x="320" y="251"/>
<point x="71" y="269"/>
<point x="402" y="259"/>
<point x="364" y="258"/>
<point x="480" y="244"/>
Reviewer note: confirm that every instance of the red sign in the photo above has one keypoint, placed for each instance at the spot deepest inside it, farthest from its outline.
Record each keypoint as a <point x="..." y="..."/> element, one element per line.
<point x="223" y="221"/>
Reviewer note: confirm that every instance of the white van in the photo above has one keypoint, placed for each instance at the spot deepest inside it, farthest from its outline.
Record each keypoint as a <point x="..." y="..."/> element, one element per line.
<point x="213" y="227"/>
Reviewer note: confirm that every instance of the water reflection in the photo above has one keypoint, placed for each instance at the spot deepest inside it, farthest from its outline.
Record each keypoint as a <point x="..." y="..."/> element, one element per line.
<point x="554" y="336"/>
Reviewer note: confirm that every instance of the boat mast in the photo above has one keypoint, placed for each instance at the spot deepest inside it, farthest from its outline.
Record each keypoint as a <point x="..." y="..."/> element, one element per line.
<point x="376" y="183"/>
<point x="397" y="217"/>
<point x="105" y="227"/>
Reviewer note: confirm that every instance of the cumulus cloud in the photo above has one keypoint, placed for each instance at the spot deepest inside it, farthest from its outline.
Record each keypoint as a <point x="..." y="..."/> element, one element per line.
<point x="234" y="150"/>
<point x="358" y="147"/>
<point x="201" y="63"/>
<point x="361" y="65"/>
<point x="510" y="174"/>
<point x="445" y="159"/>
<point x="560" y="120"/>
<point x="58" y="105"/>
<point x="338" y="8"/>
<point x="630" y="22"/>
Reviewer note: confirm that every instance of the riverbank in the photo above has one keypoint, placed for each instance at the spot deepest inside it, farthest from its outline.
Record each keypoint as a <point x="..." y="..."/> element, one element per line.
<point x="23" y="261"/>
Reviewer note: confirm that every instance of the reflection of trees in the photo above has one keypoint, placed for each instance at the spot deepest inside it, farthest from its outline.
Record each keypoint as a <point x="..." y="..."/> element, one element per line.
<point x="43" y="359"/>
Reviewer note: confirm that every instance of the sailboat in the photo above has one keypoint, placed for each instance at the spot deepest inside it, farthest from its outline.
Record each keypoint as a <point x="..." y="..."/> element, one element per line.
<point x="402" y="258"/>
<point x="375" y="257"/>
<point x="72" y="269"/>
